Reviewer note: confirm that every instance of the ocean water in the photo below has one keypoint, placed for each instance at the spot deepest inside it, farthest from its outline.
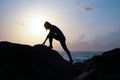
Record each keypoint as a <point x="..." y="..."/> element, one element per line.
<point x="80" y="56"/>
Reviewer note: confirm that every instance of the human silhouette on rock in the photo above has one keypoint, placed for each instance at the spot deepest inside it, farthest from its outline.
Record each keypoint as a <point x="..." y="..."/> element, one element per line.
<point x="57" y="34"/>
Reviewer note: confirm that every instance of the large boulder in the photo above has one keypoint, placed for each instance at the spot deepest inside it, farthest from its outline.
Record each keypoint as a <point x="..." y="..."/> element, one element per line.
<point x="49" y="65"/>
<point x="15" y="61"/>
<point x="39" y="62"/>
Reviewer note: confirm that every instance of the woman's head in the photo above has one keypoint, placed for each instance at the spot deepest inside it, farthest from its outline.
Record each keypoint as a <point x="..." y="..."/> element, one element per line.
<point x="47" y="25"/>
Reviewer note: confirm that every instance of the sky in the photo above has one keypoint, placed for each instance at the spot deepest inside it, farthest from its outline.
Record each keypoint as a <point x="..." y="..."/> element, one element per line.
<point x="88" y="25"/>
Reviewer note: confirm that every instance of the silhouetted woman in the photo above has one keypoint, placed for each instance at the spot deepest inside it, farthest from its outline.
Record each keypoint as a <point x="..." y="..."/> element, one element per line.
<point x="57" y="34"/>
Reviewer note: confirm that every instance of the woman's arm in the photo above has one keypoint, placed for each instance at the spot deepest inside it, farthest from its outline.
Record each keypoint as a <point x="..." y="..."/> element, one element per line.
<point x="46" y="38"/>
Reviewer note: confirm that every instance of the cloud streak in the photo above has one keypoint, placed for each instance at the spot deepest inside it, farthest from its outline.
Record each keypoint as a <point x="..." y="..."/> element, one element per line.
<point x="83" y="7"/>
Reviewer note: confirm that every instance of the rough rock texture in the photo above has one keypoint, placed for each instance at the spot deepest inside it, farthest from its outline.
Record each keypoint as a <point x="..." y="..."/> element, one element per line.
<point x="24" y="62"/>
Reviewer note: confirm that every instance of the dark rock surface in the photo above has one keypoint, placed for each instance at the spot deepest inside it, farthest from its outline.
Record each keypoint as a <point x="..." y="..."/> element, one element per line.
<point x="15" y="61"/>
<point x="50" y="64"/>
<point x="39" y="62"/>
<point x="24" y="62"/>
<point x="105" y="66"/>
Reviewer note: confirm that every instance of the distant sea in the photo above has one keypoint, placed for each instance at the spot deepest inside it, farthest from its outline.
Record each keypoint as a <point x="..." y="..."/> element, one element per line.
<point x="80" y="56"/>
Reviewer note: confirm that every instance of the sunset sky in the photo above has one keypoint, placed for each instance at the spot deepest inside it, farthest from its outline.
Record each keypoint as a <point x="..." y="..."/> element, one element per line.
<point x="87" y="24"/>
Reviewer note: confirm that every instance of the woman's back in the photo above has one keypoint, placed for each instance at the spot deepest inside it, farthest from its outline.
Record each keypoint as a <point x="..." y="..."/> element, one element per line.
<point x="57" y="31"/>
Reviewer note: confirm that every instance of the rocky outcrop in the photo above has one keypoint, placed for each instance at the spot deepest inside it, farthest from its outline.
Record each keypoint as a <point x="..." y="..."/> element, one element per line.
<point x="49" y="65"/>
<point x="15" y="61"/>
<point x="24" y="62"/>
<point x="103" y="67"/>
<point x="39" y="62"/>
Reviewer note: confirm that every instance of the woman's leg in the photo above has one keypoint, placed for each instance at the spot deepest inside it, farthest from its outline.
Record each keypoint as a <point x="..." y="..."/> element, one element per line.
<point x="63" y="43"/>
<point x="51" y="36"/>
<point x="50" y="41"/>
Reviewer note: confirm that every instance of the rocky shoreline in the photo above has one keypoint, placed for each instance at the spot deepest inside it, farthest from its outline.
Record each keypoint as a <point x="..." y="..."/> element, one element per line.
<point x="39" y="62"/>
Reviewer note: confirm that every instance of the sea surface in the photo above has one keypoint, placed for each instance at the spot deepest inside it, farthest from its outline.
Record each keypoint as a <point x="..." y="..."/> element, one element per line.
<point x="80" y="56"/>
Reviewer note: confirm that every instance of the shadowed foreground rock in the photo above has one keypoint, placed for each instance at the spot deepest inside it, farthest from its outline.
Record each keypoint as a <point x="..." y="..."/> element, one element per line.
<point x="23" y="62"/>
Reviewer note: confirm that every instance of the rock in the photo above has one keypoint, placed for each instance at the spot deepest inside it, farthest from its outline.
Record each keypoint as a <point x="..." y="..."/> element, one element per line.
<point x="47" y="62"/>
<point x="85" y="74"/>
<point x="109" y="61"/>
<point x="15" y="61"/>
<point x="39" y="62"/>
<point x="107" y="66"/>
